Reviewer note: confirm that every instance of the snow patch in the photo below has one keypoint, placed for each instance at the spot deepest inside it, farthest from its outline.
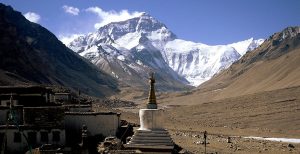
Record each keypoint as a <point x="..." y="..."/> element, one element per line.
<point x="139" y="62"/>
<point x="121" y="57"/>
<point x="91" y="50"/>
<point x="140" y="47"/>
<point x="129" y="40"/>
<point x="182" y="46"/>
<point x="287" y="140"/>
<point x="115" y="75"/>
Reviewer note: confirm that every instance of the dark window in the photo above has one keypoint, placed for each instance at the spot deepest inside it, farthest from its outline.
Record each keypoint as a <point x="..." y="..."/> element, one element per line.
<point x="17" y="137"/>
<point x="32" y="138"/>
<point x="44" y="137"/>
<point x="1" y="140"/>
<point x="56" y="136"/>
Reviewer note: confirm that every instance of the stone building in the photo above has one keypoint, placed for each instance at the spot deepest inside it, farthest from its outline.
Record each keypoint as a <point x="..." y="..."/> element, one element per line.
<point x="63" y="97"/>
<point x="78" y="107"/>
<point x="29" y="118"/>
<point x="26" y="95"/>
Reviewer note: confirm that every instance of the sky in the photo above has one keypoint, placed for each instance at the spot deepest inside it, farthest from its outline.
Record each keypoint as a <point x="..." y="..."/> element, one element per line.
<point x="211" y="22"/>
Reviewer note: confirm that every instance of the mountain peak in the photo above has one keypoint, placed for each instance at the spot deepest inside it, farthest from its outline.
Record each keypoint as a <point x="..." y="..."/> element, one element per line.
<point x="132" y="29"/>
<point x="145" y="14"/>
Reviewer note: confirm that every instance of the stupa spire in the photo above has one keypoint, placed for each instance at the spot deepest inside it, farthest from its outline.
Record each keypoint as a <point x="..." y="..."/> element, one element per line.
<point x="152" y="98"/>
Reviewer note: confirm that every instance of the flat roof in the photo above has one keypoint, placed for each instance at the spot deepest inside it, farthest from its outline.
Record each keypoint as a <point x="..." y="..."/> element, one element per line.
<point x="62" y="93"/>
<point x="92" y="113"/>
<point x="24" y="89"/>
<point x="44" y="107"/>
<point x="77" y="105"/>
<point x="32" y="127"/>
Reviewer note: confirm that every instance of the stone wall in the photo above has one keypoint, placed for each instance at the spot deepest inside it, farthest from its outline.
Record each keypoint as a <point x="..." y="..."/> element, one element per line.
<point x="78" y="108"/>
<point x="44" y="117"/>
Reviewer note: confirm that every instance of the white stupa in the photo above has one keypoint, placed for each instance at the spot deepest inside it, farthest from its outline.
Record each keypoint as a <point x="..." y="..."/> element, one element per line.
<point x="151" y="136"/>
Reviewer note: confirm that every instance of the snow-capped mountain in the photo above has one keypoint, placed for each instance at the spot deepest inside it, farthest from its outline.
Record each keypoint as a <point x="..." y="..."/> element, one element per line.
<point x="128" y="49"/>
<point x="198" y="62"/>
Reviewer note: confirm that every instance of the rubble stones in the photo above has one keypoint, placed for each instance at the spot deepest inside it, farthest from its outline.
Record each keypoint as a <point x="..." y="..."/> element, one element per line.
<point x="291" y="146"/>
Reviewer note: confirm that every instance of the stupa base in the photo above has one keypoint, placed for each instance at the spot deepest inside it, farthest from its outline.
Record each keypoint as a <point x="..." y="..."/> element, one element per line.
<point x="157" y="140"/>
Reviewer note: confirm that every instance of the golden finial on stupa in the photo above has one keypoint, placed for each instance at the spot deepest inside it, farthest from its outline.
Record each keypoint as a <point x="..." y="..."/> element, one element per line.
<point x="152" y="98"/>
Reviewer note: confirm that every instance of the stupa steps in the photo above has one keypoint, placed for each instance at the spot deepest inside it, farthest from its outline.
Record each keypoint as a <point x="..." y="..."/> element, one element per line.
<point x="161" y="132"/>
<point x="152" y="147"/>
<point x="151" y="137"/>
<point x="151" y="143"/>
<point x="152" y="140"/>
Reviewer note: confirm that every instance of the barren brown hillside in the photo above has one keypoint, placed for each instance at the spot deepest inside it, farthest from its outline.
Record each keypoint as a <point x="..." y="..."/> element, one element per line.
<point x="274" y="65"/>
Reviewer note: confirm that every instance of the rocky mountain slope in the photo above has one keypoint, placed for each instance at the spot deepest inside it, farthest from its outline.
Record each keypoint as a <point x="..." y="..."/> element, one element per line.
<point x="30" y="54"/>
<point x="128" y="49"/>
<point x="274" y="65"/>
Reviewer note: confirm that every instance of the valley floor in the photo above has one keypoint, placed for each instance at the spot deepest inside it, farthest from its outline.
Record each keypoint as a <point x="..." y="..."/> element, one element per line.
<point x="266" y="114"/>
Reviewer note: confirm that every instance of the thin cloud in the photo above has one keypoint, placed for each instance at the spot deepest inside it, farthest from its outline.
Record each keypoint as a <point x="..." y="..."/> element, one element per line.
<point x="111" y="16"/>
<point x="33" y="17"/>
<point x="71" y="10"/>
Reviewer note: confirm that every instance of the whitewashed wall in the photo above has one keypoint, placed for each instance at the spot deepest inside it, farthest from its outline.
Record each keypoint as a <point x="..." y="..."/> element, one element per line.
<point x="105" y="124"/>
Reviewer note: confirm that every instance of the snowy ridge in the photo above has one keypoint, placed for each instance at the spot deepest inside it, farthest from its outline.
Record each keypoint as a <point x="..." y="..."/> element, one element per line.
<point x="243" y="46"/>
<point x="198" y="62"/>
<point x="140" y="44"/>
